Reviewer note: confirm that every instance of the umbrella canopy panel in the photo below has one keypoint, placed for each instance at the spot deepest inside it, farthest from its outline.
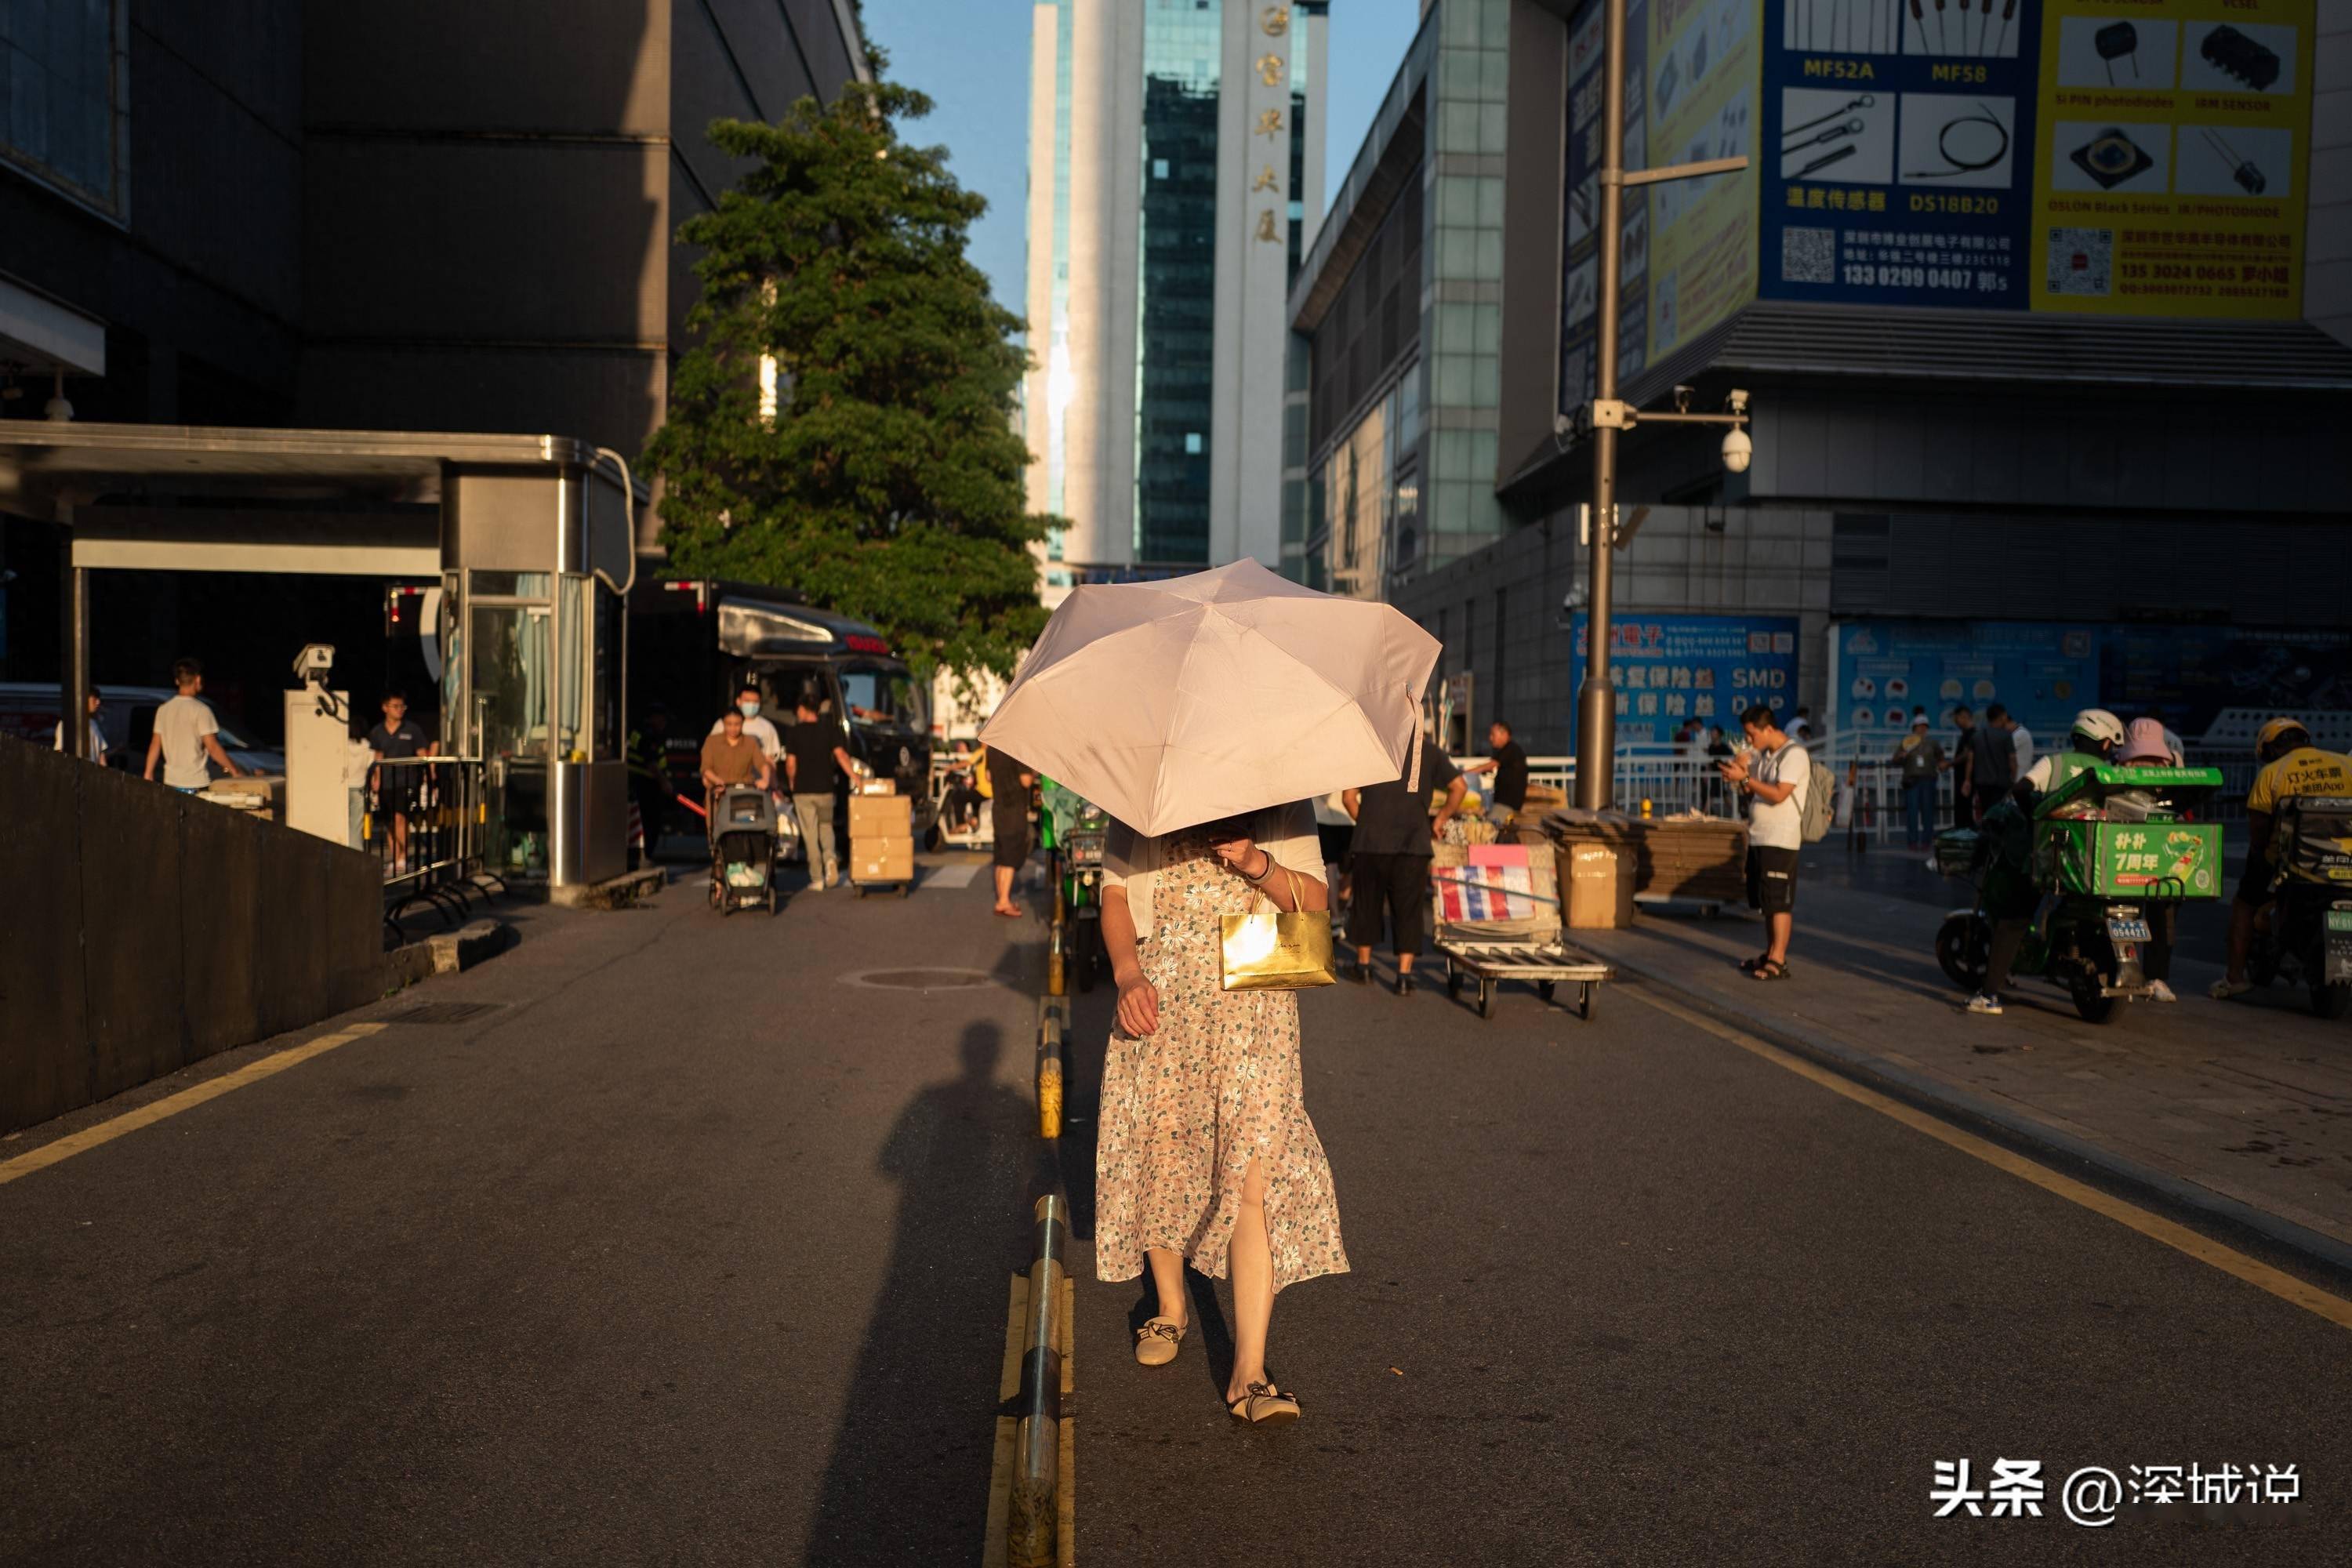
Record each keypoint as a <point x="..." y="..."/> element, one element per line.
<point x="1178" y="702"/>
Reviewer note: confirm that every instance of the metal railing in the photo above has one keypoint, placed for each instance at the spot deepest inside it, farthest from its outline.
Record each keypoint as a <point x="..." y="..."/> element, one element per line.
<point x="1675" y="779"/>
<point x="428" y="824"/>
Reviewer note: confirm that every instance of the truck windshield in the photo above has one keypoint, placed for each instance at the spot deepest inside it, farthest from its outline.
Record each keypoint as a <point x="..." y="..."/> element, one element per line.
<point x="882" y="694"/>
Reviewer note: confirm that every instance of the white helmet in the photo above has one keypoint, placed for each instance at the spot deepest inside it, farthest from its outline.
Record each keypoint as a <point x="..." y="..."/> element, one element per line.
<point x="2100" y="727"/>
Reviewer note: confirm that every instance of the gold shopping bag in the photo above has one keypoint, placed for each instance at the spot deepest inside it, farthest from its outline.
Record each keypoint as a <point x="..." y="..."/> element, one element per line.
<point x="1267" y="950"/>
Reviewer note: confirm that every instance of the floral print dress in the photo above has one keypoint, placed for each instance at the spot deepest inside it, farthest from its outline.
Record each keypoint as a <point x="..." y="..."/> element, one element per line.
<point x="1185" y="1108"/>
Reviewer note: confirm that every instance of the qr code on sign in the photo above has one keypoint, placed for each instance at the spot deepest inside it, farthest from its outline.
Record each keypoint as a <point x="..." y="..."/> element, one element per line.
<point x="1809" y="255"/>
<point x="2082" y="261"/>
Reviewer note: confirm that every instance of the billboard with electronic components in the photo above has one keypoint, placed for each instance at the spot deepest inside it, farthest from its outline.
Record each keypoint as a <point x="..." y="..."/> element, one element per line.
<point x="2124" y="157"/>
<point x="2129" y="157"/>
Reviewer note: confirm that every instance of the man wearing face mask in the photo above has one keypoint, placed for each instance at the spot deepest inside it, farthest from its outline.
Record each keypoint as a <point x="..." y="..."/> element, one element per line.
<point x="747" y="703"/>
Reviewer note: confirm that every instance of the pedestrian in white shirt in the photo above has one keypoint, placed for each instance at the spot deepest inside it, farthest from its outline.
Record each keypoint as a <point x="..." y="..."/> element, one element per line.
<point x="1774" y="776"/>
<point x="97" y="735"/>
<point x="186" y="735"/>
<point x="2021" y="740"/>
<point x="762" y="729"/>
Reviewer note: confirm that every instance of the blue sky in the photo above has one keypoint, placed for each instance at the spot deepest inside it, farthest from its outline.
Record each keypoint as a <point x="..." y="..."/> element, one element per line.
<point x="973" y="57"/>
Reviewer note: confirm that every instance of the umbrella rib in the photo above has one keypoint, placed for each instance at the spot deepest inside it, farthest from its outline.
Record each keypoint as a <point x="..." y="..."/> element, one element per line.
<point x="1159" y="773"/>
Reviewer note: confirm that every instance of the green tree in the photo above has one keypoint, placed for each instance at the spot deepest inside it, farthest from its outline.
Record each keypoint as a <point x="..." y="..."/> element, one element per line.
<point x="886" y="483"/>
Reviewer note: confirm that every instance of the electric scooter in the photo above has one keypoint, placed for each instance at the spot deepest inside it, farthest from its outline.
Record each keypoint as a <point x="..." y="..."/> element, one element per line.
<point x="2112" y="845"/>
<point x="2304" y="935"/>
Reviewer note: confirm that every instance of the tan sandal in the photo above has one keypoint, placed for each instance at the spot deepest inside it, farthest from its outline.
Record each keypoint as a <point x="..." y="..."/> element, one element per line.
<point x="1157" y="1342"/>
<point x="1265" y="1406"/>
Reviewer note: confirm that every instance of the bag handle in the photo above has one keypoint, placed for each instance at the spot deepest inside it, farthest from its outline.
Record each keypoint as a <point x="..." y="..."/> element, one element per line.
<point x="1297" y="890"/>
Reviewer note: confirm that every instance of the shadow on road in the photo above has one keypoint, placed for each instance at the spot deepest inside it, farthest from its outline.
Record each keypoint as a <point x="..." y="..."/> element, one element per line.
<point x="909" y="1475"/>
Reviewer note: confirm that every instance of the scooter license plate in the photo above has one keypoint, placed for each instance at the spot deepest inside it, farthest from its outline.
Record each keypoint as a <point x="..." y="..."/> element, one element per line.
<point x="2339" y="920"/>
<point x="2127" y="928"/>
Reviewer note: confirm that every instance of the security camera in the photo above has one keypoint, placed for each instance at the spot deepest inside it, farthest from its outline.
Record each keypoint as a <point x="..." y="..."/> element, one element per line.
<point x="1738" y="450"/>
<point x="312" y="665"/>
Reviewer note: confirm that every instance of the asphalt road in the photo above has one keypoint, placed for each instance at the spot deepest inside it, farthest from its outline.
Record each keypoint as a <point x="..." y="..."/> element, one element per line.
<point x="693" y="1249"/>
<point x="1625" y="1293"/>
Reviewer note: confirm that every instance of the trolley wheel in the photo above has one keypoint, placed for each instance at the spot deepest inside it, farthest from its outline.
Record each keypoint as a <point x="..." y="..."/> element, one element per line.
<point x="1452" y="979"/>
<point x="1584" y="1005"/>
<point x="861" y="890"/>
<point x="1485" y="998"/>
<point x="771" y="900"/>
<point x="1544" y="988"/>
<point x="905" y="889"/>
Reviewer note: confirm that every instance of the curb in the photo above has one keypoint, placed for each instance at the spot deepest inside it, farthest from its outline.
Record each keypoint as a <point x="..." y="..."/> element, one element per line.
<point x="468" y="945"/>
<point x="615" y="892"/>
<point x="1957" y="1106"/>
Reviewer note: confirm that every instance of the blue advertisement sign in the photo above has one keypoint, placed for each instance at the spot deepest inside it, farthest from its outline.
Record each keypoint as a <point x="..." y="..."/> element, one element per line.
<point x="2044" y="673"/>
<point x="1898" y="155"/>
<point x="2192" y="675"/>
<point x="1669" y="669"/>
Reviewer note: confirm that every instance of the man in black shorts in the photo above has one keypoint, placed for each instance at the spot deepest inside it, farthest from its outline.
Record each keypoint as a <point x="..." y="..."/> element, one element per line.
<point x="1389" y="859"/>
<point x="1009" y="821"/>
<point x="1773" y="775"/>
<point x="399" y="737"/>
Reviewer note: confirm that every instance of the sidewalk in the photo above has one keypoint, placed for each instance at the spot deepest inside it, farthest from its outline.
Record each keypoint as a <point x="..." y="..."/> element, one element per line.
<point x="2243" y="1110"/>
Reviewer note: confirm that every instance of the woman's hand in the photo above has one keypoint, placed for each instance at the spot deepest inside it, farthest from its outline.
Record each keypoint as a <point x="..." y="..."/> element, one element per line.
<point x="1236" y="854"/>
<point x="1138" y="1006"/>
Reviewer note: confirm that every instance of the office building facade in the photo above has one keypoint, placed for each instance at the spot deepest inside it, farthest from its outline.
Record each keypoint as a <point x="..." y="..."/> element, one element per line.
<point x="2065" y="433"/>
<point x="428" y="217"/>
<point x="1175" y="157"/>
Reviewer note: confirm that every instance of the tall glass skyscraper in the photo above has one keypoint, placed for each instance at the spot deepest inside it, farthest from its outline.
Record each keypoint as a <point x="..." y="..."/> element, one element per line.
<point x="1175" y="168"/>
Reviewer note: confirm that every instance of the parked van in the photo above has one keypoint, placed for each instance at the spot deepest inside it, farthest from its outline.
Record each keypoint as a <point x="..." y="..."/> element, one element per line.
<point x="29" y="709"/>
<point x="694" y="644"/>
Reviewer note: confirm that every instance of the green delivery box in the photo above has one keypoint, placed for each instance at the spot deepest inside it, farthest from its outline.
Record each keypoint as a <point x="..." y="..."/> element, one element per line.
<point x="2128" y="859"/>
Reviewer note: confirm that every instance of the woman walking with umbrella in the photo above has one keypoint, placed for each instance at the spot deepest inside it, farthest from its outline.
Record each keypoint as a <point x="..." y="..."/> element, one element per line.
<point x="1202" y="713"/>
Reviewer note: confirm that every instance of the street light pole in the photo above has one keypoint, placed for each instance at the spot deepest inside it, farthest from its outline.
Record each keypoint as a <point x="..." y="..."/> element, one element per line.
<point x="1607" y="416"/>
<point x="1596" y="703"/>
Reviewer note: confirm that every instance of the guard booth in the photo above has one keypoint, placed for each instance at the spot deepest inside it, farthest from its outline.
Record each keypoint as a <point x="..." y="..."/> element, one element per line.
<point x="530" y="536"/>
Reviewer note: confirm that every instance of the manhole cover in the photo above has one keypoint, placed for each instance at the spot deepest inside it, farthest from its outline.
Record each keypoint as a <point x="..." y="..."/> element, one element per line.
<point x="442" y="1012"/>
<point x="918" y="979"/>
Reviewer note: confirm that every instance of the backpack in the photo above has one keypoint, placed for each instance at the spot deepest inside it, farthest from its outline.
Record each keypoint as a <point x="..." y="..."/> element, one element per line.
<point x="1821" y="802"/>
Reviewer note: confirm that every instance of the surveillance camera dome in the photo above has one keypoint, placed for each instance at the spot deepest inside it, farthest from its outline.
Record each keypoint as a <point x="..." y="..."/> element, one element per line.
<point x="1738" y="450"/>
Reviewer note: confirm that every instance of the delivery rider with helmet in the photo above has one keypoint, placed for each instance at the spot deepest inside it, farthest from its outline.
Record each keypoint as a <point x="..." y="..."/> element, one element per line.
<point x="2291" y="765"/>
<point x="2093" y="739"/>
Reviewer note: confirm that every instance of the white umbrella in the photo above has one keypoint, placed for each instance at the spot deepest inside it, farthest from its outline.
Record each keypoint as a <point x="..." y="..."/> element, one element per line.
<point x="1184" y="700"/>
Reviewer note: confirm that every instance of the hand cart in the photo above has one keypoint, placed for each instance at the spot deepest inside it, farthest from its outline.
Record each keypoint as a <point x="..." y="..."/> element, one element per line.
<point x="1528" y="948"/>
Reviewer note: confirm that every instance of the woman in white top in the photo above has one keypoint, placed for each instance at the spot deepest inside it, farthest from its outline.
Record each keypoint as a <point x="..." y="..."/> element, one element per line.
<point x="1206" y="1152"/>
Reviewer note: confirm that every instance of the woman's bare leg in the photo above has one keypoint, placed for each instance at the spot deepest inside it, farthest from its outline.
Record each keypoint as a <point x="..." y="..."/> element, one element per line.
<point x="1251" y="1262"/>
<point x="1168" y="1281"/>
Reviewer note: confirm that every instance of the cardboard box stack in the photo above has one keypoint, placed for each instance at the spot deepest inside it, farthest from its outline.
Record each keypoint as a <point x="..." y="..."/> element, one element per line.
<point x="881" y="839"/>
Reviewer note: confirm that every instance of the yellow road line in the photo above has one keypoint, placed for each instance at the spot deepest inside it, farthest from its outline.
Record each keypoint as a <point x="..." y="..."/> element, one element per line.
<point x="2179" y="1237"/>
<point x="170" y="1105"/>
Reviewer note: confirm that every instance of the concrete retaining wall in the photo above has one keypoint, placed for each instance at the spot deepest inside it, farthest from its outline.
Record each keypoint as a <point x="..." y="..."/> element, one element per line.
<point x="147" y="930"/>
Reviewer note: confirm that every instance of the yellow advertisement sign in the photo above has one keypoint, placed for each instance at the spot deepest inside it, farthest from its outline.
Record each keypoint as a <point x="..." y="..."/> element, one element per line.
<point x="2174" y="149"/>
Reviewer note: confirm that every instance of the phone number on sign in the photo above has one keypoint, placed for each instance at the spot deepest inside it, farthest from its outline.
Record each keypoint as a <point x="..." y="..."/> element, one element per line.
<point x="1865" y="274"/>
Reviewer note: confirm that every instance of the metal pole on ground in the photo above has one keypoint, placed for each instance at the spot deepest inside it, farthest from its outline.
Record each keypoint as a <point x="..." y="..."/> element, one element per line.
<point x="1596" y="701"/>
<point x="1049" y="1072"/>
<point x="1033" y="1521"/>
<point x="73" y="668"/>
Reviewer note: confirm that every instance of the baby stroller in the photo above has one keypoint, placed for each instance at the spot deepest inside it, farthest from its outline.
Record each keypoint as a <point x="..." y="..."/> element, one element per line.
<point x="742" y="850"/>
